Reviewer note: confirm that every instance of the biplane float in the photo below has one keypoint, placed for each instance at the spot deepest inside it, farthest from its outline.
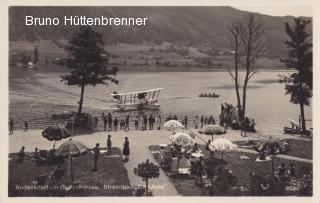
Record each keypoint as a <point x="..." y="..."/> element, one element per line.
<point x="137" y="100"/>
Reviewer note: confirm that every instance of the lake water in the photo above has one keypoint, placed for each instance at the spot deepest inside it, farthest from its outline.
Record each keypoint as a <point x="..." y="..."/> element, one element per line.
<point x="266" y="99"/>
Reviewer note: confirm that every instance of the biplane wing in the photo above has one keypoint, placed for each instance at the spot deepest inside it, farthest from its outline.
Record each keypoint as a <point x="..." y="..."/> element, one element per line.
<point x="147" y="96"/>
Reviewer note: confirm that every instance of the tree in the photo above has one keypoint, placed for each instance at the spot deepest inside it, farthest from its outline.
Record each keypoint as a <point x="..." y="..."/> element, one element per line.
<point x="88" y="62"/>
<point x="246" y="38"/>
<point x="147" y="171"/>
<point x="234" y="29"/>
<point x="299" y="84"/>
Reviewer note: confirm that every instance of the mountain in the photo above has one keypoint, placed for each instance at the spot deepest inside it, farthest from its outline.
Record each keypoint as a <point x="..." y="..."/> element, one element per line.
<point x="187" y="25"/>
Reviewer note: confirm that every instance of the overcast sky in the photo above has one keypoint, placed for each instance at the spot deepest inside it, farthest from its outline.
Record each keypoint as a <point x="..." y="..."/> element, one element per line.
<point x="279" y="10"/>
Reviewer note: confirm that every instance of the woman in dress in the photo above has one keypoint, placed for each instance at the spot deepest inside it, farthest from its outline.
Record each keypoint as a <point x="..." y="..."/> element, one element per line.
<point x="126" y="149"/>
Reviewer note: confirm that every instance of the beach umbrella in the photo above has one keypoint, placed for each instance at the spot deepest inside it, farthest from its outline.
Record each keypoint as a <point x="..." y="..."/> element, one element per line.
<point x="213" y="130"/>
<point x="173" y="125"/>
<point x="54" y="133"/>
<point x="71" y="148"/>
<point x="222" y="145"/>
<point x="270" y="146"/>
<point x="182" y="139"/>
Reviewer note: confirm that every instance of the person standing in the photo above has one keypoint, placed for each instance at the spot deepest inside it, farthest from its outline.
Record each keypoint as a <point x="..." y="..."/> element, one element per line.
<point x="136" y="122"/>
<point x="25" y="125"/>
<point x="115" y="123"/>
<point x="186" y="122"/>
<point x="159" y="121"/>
<point x="96" y="120"/>
<point x="127" y="122"/>
<point x="145" y="121"/>
<point x="96" y="154"/>
<point x="109" y="122"/>
<point x="205" y="120"/>
<point x="11" y="126"/>
<point x="109" y="144"/>
<point x="202" y="120"/>
<point x="196" y="122"/>
<point x="150" y="122"/>
<point x="105" y="122"/>
<point x="126" y="149"/>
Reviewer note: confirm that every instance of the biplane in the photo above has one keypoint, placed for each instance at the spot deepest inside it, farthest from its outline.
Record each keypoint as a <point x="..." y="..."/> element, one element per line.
<point x="138" y="100"/>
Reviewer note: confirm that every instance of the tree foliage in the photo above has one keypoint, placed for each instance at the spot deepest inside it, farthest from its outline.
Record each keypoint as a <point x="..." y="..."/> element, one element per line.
<point x="88" y="61"/>
<point x="146" y="171"/>
<point x="299" y="84"/>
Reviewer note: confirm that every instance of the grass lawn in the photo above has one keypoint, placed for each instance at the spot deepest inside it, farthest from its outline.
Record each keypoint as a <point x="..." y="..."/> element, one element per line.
<point x="111" y="172"/>
<point x="240" y="168"/>
<point x="298" y="148"/>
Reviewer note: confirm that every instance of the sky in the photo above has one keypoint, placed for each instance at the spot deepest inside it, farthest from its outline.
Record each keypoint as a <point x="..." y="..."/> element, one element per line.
<point x="279" y="10"/>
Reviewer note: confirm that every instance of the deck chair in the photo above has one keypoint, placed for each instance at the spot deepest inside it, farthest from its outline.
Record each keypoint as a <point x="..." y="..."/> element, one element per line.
<point x="41" y="180"/>
<point x="57" y="175"/>
<point x="43" y="154"/>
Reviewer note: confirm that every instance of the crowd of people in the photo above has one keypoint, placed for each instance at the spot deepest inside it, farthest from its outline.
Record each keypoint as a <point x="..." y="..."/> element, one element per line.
<point x="229" y="117"/>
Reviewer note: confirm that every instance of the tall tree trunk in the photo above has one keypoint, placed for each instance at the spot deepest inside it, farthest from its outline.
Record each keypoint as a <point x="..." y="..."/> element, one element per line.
<point x="246" y="80"/>
<point x="81" y="100"/>
<point x="147" y="183"/>
<point x="244" y="99"/>
<point x="303" y="121"/>
<point x="236" y="83"/>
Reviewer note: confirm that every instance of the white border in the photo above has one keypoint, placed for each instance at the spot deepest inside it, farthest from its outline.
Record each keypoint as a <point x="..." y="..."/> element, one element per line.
<point x="4" y="4"/>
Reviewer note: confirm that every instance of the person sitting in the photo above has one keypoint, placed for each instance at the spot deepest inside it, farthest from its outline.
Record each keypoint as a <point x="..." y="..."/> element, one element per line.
<point x="292" y="170"/>
<point x="21" y="154"/>
<point x="262" y="155"/>
<point x="199" y="169"/>
<point x="36" y="154"/>
<point x="173" y="151"/>
<point x="194" y="149"/>
<point x="207" y="145"/>
<point x="252" y="126"/>
<point x="281" y="170"/>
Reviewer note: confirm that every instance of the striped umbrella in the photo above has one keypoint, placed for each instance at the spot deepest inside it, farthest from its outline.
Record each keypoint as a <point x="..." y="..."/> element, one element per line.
<point x="55" y="133"/>
<point x="71" y="147"/>
<point x="213" y="130"/>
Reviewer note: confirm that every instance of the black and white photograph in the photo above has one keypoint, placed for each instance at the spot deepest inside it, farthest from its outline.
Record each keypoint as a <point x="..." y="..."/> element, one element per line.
<point x="179" y="101"/>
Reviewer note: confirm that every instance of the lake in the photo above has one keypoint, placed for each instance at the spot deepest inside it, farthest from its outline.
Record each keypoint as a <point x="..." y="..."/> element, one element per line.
<point x="266" y="99"/>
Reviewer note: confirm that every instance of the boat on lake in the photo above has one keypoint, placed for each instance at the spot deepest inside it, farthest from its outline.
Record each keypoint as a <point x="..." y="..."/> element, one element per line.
<point x="212" y="95"/>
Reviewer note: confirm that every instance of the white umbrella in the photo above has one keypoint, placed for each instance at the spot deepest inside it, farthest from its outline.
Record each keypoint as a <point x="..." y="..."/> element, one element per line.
<point x="182" y="139"/>
<point x="173" y="125"/>
<point x="222" y="145"/>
